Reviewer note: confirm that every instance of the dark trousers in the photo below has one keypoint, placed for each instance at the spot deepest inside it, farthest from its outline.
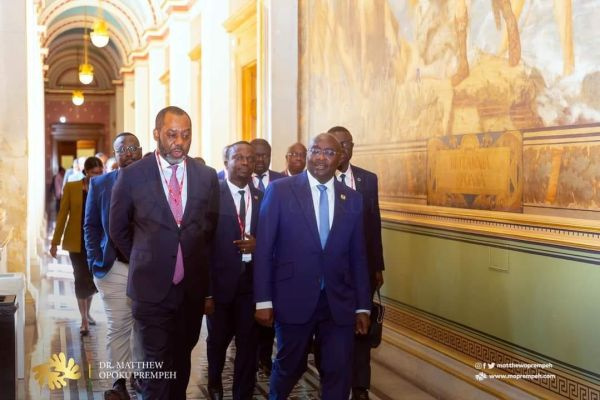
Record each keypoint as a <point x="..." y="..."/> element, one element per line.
<point x="229" y="320"/>
<point x="169" y="331"/>
<point x="266" y="338"/>
<point x="361" y="368"/>
<point x="335" y="344"/>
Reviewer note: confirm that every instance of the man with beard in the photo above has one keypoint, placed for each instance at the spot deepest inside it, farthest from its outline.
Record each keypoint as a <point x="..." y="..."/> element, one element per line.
<point x="231" y="276"/>
<point x="109" y="266"/>
<point x="163" y="215"/>
<point x="365" y="183"/>
<point x="310" y="272"/>
<point x="295" y="159"/>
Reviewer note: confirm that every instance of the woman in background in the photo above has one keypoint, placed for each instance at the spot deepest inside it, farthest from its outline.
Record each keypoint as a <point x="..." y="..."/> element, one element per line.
<point x="72" y="206"/>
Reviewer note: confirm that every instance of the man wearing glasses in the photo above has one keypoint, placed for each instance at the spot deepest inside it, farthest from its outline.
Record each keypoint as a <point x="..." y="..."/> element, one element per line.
<point x="365" y="183"/>
<point x="109" y="266"/>
<point x="310" y="272"/>
<point x="295" y="159"/>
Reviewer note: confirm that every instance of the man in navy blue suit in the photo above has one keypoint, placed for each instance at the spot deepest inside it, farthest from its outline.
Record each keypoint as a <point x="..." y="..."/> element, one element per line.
<point x="365" y="183"/>
<point x="109" y="267"/>
<point x="311" y="272"/>
<point x="261" y="178"/>
<point x="163" y="216"/>
<point x="231" y="277"/>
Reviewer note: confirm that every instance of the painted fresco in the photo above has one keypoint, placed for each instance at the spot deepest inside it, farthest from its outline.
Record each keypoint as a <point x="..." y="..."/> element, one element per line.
<point x="407" y="71"/>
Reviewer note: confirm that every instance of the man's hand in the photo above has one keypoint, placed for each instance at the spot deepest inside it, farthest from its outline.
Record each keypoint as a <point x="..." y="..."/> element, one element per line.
<point x="362" y="324"/>
<point x="264" y="316"/>
<point x="209" y="306"/>
<point x="378" y="279"/>
<point x="53" y="250"/>
<point x="247" y="245"/>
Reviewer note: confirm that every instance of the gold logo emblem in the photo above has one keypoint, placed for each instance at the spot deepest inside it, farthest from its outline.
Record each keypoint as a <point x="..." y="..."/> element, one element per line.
<point x="55" y="371"/>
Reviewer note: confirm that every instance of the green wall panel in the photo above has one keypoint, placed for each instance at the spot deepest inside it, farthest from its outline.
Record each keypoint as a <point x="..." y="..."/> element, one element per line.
<point x="542" y="302"/>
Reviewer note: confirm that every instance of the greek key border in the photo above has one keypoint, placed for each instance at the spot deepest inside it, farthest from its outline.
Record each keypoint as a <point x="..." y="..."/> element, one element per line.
<point x="564" y="384"/>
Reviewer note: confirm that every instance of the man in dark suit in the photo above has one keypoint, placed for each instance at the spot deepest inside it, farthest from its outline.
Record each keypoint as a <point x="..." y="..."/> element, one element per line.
<point x="163" y="215"/>
<point x="261" y="178"/>
<point x="262" y="175"/>
<point x="231" y="275"/>
<point x="109" y="267"/>
<point x="310" y="272"/>
<point x="365" y="183"/>
<point x="295" y="159"/>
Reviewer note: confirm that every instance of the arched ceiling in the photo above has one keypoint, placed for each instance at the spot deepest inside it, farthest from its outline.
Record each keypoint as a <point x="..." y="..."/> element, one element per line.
<point x="65" y="21"/>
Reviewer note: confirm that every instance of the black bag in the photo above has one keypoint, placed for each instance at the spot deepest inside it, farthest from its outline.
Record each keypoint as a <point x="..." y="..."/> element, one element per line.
<point x="377" y="314"/>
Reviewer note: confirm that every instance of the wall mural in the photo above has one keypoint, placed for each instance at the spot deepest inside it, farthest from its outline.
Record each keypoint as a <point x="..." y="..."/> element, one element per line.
<point x="405" y="74"/>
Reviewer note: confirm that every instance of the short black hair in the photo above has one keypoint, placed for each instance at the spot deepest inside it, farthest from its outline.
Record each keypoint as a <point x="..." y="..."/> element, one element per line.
<point x="160" y="117"/>
<point x="91" y="163"/>
<point x="339" y="129"/>
<point x="123" y="134"/>
<point x="260" y="141"/>
<point x="231" y="146"/>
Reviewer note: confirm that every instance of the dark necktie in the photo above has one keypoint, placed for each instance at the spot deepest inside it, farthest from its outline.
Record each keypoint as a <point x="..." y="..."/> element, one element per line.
<point x="343" y="176"/>
<point x="261" y="185"/>
<point x="242" y="213"/>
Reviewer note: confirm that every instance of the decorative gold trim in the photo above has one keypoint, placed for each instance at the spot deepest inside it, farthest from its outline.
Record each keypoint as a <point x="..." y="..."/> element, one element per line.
<point x="196" y="53"/>
<point x="567" y="232"/>
<point x="87" y="91"/>
<point x="238" y="18"/>
<point x="166" y="77"/>
<point x="469" y="349"/>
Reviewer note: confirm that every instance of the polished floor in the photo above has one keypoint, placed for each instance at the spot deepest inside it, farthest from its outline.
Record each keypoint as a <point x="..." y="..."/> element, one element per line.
<point x="56" y="330"/>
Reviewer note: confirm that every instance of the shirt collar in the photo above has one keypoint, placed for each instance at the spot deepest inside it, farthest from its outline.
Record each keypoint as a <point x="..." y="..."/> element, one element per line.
<point x="266" y="173"/>
<point x="347" y="172"/>
<point x="313" y="182"/>
<point x="234" y="189"/>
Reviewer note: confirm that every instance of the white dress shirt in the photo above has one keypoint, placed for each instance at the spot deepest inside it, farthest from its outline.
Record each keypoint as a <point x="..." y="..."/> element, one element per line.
<point x="348" y="179"/>
<point x="266" y="179"/>
<point x="165" y="175"/>
<point x="236" y="200"/>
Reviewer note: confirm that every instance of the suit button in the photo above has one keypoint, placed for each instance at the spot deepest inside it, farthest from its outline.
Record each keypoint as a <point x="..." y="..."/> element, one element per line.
<point x="174" y="256"/>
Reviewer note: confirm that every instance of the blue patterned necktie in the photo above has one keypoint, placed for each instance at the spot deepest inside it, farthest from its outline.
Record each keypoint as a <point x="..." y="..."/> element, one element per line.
<point x="261" y="185"/>
<point x="323" y="215"/>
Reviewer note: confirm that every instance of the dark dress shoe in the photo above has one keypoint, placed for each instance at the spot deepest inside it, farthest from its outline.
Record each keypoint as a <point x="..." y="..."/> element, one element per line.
<point x="118" y="392"/>
<point x="215" y="393"/>
<point x="360" y="394"/>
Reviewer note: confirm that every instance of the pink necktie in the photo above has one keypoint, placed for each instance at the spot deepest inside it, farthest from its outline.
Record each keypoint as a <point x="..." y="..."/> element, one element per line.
<point x="177" y="210"/>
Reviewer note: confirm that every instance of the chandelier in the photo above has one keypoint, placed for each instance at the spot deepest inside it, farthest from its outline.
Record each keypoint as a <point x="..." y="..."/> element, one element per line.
<point x="77" y="97"/>
<point x="99" y="33"/>
<point x="86" y="70"/>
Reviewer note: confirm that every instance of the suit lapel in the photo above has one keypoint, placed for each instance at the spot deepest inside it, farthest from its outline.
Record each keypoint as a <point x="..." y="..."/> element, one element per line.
<point x="303" y="194"/>
<point x="255" y="209"/>
<point x="155" y="176"/>
<point x="192" y="188"/>
<point x="339" y="199"/>
<point x="358" y="178"/>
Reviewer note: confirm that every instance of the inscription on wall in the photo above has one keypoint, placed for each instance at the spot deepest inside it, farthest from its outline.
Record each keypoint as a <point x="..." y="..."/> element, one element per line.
<point x="482" y="171"/>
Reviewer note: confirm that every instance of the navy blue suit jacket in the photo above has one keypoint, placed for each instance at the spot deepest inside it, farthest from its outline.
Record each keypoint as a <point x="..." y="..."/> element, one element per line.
<point x="289" y="261"/>
<point x="221" y="174"/>
<point x="143" y="228"/>
<point x="227" y="267"/>
<point x="366" y="184"/>
<point x="100" y="250"/>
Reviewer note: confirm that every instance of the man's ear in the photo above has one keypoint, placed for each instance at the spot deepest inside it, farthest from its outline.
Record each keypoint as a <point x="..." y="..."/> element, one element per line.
<point x="155" y="134"/>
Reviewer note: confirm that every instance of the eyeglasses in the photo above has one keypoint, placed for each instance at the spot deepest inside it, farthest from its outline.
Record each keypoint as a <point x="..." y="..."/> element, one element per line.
<point x="300" y="155"/>
<point x="329" y="153"/>
<point x="130" y="149"/>
<point x="239" y="158"/>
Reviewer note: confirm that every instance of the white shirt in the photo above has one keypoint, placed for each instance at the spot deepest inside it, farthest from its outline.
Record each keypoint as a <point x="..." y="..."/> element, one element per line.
<point x="236" y="200"/>
<point x="265" y="180"/>
<point x="166" y="173"/>
<point x="316" y="195"/>
<point x="348" y="179"/>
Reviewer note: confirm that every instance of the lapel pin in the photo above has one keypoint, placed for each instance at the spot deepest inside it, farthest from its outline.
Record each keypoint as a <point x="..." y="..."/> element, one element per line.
<point x="255" y="197"/>
<point x="358" y="179"/>
<point x="343" y="196"/>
